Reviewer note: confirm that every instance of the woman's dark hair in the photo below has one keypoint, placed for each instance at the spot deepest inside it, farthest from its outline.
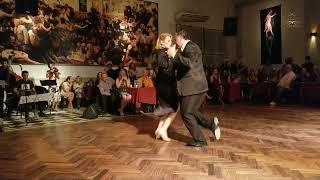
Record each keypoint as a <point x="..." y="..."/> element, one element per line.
<point x="68" y="78"/>
<point x="132" y="65"/>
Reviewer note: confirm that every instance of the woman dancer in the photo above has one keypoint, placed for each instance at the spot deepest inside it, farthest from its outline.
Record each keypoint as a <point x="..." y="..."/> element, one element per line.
<point x="268" y="25"/>
<point x="166" y="85"/>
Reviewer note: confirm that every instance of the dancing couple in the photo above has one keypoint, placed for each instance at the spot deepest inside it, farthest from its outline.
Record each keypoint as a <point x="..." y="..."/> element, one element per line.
<point x="181" y="84"/>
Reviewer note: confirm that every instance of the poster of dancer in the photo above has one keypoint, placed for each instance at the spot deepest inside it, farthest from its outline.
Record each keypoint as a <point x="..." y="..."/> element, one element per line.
<point x="271" y="35"/>
<point x="78" y="32"/>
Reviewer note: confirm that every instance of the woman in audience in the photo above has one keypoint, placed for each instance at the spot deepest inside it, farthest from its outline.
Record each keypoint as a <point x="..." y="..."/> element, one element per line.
<point x="97" y="81"/>
<point x="78" y="90"/>
<point x="123" y="83"/>
<point x="66" y="91"/>
<point x="248" y="88"/>
<point x="166" y="85"/>
<point x="216" y="86"/>
<point x="132" y="73"/>
<point x="145" y="80"/>
<point x="54" y="74"/>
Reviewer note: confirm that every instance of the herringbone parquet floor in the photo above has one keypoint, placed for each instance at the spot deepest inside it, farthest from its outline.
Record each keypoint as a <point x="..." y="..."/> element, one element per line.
<point x="258" y="142"/>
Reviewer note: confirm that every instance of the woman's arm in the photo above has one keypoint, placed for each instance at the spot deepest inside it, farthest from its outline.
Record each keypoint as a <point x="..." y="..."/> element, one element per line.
<point x="46" y="29"/>
<point x="64" y="87"/>
<point x="118" y="83"/>
<point x="128" y="82"/>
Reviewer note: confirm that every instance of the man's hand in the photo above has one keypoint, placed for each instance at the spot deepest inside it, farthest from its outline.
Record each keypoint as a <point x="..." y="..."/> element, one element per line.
<point x="172" y="51"/>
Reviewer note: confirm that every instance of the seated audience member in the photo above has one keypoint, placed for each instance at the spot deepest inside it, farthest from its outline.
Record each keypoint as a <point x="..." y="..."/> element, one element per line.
<point x="252" y="77"/>
<point x="316" y="74"/>
<point x="97" y="81"/>
<point x="89" y="91"/>
<point x="151" y="67"/>
<point x="23" y="87"/>
<point x="225" y="69"/>
<point x="308" y="65"/>
<point x="215" y="86"/>
<point x="145" y="80"/>
<point x="105" y="87"/>
<point x="6" y="82"/>
<point x="66" y="91"/>
<point x="54" y="74"/>
<point x="295" y="67"/>
<point x="235" y="78"/>
<point x="248" y="88"/>
<point x="284" y="84"/>
<point x="132" y="73"/>
<point x="123" y="83"/>
<point x="305" y="76"/>
<point x="78" y="90"/>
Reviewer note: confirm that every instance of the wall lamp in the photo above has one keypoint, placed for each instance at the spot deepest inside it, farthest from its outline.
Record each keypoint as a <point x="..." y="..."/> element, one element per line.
<point x="314" y="34"/>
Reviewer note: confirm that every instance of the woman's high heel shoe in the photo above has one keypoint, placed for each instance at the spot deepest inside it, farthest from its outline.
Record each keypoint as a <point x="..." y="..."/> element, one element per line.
<point x="164" y="137"/>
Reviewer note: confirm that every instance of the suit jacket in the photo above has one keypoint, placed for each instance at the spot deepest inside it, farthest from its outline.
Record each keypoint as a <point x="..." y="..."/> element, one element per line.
<point x="190" y="74"/>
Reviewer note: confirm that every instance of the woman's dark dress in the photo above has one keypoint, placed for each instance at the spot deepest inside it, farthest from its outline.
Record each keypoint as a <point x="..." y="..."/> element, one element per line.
<point x="165" y="82"/>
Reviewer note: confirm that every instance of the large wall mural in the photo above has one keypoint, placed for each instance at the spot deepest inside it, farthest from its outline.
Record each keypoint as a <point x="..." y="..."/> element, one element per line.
<point x="78" y="32"/>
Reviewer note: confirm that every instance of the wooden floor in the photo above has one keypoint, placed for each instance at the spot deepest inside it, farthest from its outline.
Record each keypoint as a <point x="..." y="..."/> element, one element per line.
<point x="258" y="142"/>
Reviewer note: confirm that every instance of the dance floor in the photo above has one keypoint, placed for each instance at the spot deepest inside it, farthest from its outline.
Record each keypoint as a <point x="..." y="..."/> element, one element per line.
<point x="258" y="142"/>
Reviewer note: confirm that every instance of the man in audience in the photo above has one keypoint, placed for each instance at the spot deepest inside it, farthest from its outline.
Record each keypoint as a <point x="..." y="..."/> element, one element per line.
<point x="284" y="84"/>
<point x="23" y="87"/>
<point x="308" y="64"/>
<point x="295" y="67"/>
<point x="4" y="77"/>
<point x="105" y="87"/>
<point x="146" y="79"/>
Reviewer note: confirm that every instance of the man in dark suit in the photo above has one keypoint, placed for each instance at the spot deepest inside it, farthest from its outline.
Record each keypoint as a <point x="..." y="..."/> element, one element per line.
<point x="192" y="87"/>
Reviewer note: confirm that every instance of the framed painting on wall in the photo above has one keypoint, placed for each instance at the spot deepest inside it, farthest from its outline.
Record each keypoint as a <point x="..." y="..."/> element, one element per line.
<point x="80" y="32"/>
<point x="271" y="49"/>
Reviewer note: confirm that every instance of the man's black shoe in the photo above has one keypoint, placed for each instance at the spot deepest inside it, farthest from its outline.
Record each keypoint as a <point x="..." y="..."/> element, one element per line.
<point x="197" y="144"/>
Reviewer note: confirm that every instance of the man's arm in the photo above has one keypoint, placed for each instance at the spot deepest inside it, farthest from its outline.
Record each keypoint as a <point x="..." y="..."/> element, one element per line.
<point x="102" y="90"/>
<point x="191" y="54"/>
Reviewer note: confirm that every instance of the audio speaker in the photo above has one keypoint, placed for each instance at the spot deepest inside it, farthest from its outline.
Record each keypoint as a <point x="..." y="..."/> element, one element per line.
<point x="230" y="26"/>
<point x="91" y="112"/>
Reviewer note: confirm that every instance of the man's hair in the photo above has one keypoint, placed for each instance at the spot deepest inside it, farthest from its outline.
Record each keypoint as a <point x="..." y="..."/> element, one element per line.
<point x="184" y="34"/>
<point x="24" y="72"/>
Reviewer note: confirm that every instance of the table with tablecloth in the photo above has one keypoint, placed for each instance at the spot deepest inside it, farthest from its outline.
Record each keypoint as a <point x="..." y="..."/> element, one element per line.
<point x="145" y="95"/>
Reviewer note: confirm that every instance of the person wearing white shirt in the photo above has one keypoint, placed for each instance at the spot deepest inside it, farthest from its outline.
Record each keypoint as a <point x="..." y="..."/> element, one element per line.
<point x="105" y="86"/>
<point x="284" y="84"/>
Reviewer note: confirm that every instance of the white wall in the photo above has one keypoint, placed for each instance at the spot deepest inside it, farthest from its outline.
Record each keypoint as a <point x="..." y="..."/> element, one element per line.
<point x="38" y="72"/>
<point x="216" y="9"/>
<point x="312" y="18"/>
<point x="293" y="41"/>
